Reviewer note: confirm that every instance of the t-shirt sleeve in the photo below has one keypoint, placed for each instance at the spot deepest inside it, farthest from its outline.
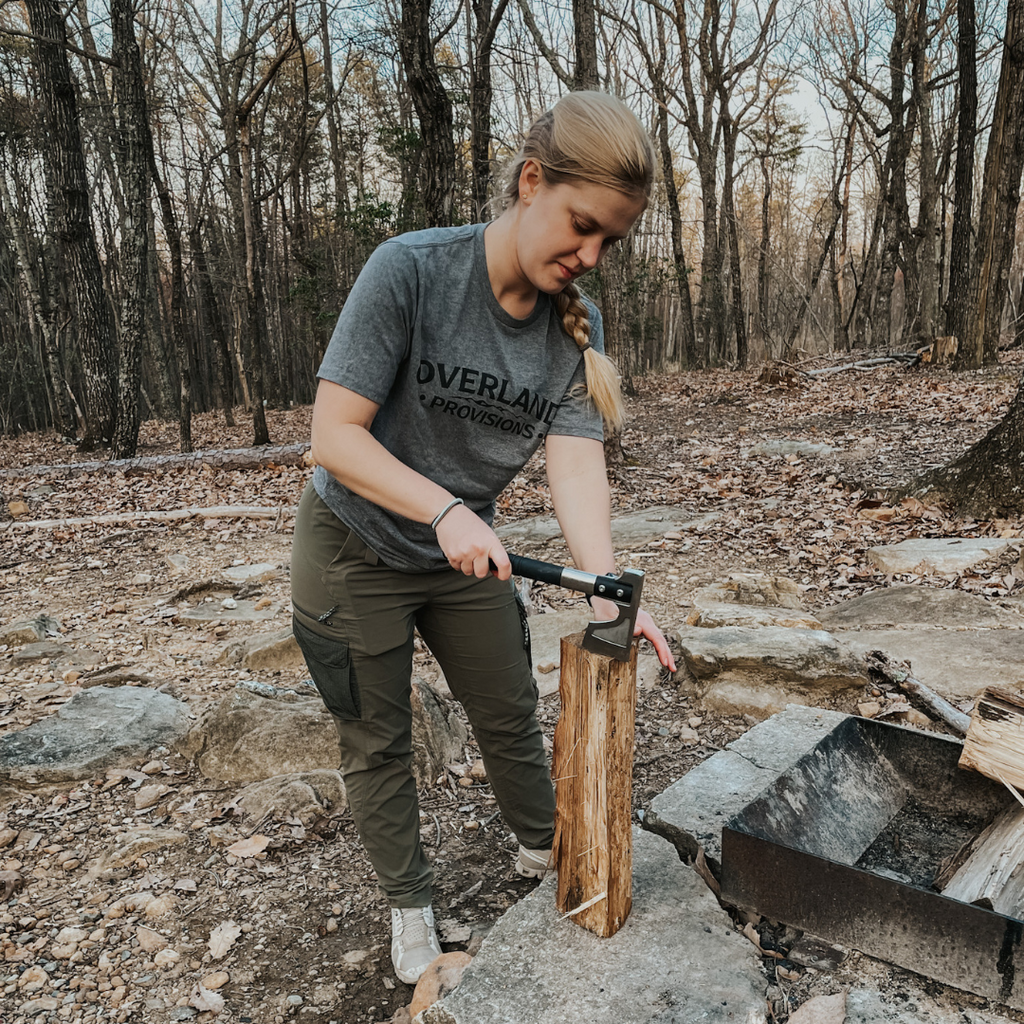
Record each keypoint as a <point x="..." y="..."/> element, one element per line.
<point x="577" y="415"/>
<point x="372" y="335"/>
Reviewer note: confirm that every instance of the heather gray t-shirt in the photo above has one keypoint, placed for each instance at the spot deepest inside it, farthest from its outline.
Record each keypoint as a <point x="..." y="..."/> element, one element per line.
<point x="466" y="391"/>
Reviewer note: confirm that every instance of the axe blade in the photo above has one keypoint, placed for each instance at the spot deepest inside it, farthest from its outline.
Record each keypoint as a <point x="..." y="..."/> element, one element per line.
<point x="613" y="637"/>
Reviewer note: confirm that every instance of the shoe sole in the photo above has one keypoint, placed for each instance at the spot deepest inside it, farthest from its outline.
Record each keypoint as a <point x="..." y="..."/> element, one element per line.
<point x="532" y="872"/>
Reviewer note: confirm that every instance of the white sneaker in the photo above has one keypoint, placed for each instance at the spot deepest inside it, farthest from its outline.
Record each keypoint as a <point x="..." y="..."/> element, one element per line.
<point x="414" y="944"/>
<point x="535" y="863"/>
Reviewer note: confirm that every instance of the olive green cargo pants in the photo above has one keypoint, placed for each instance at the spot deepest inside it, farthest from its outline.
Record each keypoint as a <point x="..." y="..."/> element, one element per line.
<point x="354" y="619"/>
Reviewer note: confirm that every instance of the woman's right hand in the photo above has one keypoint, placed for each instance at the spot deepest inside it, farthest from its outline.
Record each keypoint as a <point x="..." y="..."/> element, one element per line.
<point x="470" y="545"/>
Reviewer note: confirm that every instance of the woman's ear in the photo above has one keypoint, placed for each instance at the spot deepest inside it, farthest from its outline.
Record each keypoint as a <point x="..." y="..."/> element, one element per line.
<point x="531" y="177"/>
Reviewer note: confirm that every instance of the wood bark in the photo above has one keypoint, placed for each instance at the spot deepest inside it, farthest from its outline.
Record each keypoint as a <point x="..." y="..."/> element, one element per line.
<point x="1000" y="196"/>
<point x="593" y="771"/>
<point x="433" y="109"/>
<point x="134" y="159"/>
<point x="586" y="75"/>
<point x="481" y="90"/>
<point x="988" y="479"/>
<point x="70" y="214"/>
<point x="958" y="297"/>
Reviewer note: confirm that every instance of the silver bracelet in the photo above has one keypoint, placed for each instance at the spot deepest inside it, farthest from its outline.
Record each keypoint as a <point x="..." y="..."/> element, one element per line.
<point x="451" y="504"/>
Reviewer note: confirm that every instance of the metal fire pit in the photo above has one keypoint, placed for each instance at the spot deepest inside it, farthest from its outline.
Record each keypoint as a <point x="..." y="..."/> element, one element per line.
<point x="846" y="845"/>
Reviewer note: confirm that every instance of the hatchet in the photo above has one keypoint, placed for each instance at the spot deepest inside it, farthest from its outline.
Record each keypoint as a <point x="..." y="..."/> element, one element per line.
<point x="610" y="637"/>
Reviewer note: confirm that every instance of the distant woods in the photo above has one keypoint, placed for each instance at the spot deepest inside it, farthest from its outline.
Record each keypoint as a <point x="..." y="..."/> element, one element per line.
<point x="189" y="189"/>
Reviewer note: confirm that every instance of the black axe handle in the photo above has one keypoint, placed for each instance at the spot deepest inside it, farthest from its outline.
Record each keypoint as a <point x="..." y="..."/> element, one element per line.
<point x="608" y="587"/>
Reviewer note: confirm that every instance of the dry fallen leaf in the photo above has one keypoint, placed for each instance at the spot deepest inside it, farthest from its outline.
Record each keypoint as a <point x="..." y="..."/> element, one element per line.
<point x="249" y="847"/>
<point x="751" y="933"/>
<point x="205" y="1000"/>
<point x="223" y="937"/>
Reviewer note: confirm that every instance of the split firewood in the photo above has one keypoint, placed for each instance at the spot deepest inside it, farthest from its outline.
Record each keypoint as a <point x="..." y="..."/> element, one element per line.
<point x="880" y="666"/>
<point x="995" y="739"/>
<point x="986" y="871"/>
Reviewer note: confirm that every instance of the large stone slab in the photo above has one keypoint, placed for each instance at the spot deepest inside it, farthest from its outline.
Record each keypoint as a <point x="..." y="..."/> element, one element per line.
<point x="938" y="554"/>
<point x="738" y="670"/>
<point x="917" y="605"/>
<point x="258" y="571"/>
<point x="954" y="663"/>
<point x="248" y="737"/>
<point x="802" y="449"/>
<point x="631" y="529"/>
<point x="692" y="811"/>
<point x="677" y="958"/>
<point x="97" y="728"/>
<point x="752" y="600"/>
<point x="710" y="616"/>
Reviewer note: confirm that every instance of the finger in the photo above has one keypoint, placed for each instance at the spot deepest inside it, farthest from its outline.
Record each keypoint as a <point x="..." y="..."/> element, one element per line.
<point x="482" y="566"/>
<point x="499" y="563"/>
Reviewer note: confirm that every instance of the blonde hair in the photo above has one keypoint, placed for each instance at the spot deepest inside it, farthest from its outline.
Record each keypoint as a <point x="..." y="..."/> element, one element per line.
<point x="595" y="138"/>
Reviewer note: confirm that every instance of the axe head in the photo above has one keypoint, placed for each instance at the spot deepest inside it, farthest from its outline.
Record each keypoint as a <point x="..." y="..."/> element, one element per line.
<point x="613" y="637"/>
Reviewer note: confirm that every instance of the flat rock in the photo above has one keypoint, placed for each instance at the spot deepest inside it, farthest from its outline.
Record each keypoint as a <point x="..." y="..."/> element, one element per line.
<point x="738" y="670"/>
<point x="908" y="1002"/>
<point x="918" y="606"/>
<point x="710" y="615"/>
<point x="43" y="650"/>
<point x="676" y="959"/>
<point x="804" y="449"/>
<point x="631" y="529"/>
<point x="248" y="737"/>
<point x="546" y="632"/>
<point x="938" y="555"/>
<point x="692" y="811"/>
<point x="124" y="849"/>
<point x="265" y="651"/>
<point x="212" y="611"/>
<point x="753" y="588"/>
<point x="954" y="663"/>
<point x="96" y="729"/>
<point x="302" y="795"/>
<point x="28" y="631"/>
<point x="258" y="571"/>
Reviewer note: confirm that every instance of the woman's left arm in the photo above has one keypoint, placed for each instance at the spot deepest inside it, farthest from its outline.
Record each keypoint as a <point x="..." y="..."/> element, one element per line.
<point x="579" y="491"/>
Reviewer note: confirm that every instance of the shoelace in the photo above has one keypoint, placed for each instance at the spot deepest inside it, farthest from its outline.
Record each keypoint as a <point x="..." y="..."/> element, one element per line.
<point x="414" y="928"/>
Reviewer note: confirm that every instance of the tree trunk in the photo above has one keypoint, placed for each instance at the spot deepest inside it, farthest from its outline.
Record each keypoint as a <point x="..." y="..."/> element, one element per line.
<point x="729" y="133"/>
<point x="434" y="110"/>
<point x="134" y="153"/>
<point x="690" y="352"/>
<point x="485" y="25"/>
<point x="68" y="196"/>
<point x="1000" y="195"/>
<point x="958" y="299"/>
<point x="927" y="229"/>
<point x="586" y="72"/>
<point x="43" y="314"/>
<point x="988" y="479"/>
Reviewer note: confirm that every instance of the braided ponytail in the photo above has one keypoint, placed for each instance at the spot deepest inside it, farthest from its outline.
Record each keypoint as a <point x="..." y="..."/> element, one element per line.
<point x="602" y="376"/>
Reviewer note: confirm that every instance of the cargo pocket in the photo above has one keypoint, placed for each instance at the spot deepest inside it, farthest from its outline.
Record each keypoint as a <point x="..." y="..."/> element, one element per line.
<point x="330" y="665"/>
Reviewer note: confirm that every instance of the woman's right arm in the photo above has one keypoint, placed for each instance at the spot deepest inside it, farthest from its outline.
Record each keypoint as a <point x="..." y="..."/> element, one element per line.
<point x="343" y="445"/>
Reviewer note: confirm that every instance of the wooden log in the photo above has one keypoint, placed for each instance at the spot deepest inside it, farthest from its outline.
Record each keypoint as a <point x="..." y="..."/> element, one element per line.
<point x="593" y="772"/>
<point x="992" y="875"/>
<point x="995" y="738"/>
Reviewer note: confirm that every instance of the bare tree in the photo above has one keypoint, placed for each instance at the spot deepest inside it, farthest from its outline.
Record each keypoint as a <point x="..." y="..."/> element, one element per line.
<point x="72" y="220"/>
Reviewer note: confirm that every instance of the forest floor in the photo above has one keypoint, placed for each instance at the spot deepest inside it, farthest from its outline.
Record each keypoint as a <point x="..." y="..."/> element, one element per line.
<point x="315" y="931"/>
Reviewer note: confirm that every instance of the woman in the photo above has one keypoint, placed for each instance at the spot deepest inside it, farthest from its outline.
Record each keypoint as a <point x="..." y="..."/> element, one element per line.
<point x="458" y="351"/>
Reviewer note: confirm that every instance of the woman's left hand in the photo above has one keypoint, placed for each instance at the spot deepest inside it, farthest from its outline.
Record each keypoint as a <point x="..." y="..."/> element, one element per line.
<point x="645" y="627"/>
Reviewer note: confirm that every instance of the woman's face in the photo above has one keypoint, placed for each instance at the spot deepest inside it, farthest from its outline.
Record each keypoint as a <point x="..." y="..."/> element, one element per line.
<point x="565" y="230"/>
